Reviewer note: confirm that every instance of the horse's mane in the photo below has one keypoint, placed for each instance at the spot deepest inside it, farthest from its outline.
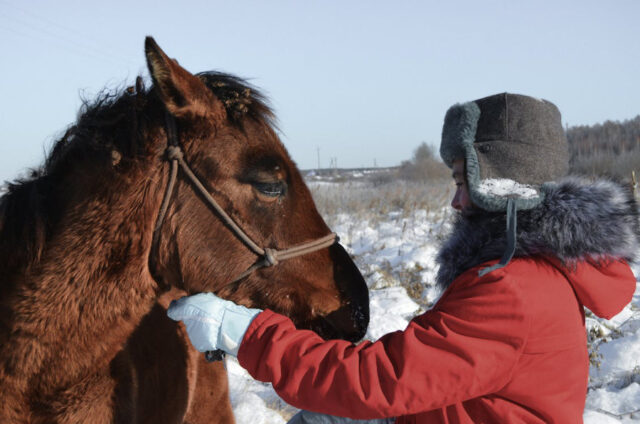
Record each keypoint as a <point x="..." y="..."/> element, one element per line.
<point x="113" y="121"/>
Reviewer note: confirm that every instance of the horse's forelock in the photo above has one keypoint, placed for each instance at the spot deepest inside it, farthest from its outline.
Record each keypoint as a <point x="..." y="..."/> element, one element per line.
<point x="240" y="98"/>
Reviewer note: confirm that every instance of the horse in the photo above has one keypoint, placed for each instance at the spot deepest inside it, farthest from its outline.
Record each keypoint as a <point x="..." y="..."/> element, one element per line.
<point x="152" y="194"/>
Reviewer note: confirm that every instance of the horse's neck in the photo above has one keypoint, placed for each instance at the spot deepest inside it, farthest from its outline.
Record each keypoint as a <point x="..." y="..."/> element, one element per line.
<point x="90" y="290"/>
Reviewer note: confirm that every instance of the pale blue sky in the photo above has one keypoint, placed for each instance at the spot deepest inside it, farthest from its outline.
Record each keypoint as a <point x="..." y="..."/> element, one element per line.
<point x="361" y="80"/>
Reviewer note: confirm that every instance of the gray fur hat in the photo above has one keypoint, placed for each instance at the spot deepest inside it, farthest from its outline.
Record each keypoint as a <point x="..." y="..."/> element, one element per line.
<point x="512" y="145"/>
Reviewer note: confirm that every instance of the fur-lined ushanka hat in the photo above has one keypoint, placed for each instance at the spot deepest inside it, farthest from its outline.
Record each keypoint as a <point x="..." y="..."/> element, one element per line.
<point x="512" y="144"/>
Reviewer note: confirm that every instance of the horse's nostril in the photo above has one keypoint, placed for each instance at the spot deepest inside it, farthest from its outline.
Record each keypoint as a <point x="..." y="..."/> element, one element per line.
<point x="347" y="323"/>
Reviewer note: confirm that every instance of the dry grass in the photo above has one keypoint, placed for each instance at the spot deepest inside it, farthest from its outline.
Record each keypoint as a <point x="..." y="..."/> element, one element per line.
<point x="393" y="203"/>
<point x="366" y="200"/>
<point x="607" y="163"/>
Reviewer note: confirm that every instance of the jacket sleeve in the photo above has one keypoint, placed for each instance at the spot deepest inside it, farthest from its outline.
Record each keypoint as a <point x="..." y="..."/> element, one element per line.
<point x="465" y="347"/>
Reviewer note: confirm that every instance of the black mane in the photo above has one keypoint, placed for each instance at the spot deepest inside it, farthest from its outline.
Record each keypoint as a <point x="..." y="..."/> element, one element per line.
<point x="112" y="119"/>
<point x="115" y="121"/>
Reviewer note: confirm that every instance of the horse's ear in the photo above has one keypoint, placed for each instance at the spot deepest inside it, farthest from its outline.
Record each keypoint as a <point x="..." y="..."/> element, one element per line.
<point x="182" y="92"/>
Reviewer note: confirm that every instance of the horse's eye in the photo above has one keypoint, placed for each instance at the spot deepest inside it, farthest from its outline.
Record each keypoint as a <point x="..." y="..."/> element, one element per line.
<point x="271" y="189"/>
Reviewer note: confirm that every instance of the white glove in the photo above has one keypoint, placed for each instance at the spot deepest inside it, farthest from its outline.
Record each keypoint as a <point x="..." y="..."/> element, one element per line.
<point x="213" y="323"/>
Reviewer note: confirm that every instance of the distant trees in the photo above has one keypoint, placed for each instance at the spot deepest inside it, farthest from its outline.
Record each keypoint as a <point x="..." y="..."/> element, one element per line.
<point x="425" y="165"/>
<point x="611" y="148"/>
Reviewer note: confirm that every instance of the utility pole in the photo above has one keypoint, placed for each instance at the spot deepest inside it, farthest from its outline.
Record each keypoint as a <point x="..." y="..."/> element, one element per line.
<point x="318" y="149"/>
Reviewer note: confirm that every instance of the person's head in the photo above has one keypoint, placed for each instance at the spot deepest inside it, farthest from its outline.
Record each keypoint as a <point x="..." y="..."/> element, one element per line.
<point x="502" y="149"/>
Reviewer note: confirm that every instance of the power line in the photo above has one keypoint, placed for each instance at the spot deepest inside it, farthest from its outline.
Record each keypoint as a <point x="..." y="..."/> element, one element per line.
<point x="43" y="30"/>
<point x="51" y="22"/>
<point x="38" y="38"/>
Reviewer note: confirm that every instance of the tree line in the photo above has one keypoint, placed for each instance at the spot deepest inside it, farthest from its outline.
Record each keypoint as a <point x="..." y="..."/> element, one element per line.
<point x="610" y="149"/>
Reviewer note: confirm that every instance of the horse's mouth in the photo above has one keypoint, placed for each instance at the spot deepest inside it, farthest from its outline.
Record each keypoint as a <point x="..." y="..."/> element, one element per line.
<point x="346" y="323"/>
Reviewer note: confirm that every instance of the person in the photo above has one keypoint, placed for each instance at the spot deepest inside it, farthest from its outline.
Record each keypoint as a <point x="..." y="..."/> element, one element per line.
<point x="506" y="341"/>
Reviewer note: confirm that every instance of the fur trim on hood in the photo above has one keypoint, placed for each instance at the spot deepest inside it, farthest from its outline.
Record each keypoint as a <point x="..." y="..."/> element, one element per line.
<point x="577" y="221"/>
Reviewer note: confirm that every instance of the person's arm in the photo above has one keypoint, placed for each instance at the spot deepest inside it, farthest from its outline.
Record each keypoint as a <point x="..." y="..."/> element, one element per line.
<point x="467" y="346"/>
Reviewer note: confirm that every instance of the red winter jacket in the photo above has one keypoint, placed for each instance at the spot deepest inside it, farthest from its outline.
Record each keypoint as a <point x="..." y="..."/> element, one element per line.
<point x="506" y="347"/>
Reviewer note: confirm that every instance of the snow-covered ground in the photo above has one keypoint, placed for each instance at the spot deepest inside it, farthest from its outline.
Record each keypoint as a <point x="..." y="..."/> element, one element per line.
<point x="396" y="256"/>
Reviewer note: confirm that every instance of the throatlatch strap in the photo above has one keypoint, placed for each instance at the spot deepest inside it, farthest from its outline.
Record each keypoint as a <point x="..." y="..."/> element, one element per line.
<point x="512" y="224"/>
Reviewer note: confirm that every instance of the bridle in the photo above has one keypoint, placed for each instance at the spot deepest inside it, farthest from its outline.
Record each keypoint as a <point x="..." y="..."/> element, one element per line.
<point x="266" y="256"/>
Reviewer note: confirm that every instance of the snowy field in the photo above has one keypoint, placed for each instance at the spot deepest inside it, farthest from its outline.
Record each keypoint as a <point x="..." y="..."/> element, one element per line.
<point x="396" y="256"/>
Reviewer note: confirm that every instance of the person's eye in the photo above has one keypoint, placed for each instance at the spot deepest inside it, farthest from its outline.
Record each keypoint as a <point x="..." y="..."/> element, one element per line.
<point x="270" y="189"/>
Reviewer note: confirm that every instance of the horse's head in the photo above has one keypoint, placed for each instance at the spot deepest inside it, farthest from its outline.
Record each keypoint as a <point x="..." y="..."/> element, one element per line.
<point x="225" y="131"/>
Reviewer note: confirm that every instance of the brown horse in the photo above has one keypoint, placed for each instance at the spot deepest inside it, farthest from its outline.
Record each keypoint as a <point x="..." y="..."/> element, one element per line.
<point x="84" y="283"/>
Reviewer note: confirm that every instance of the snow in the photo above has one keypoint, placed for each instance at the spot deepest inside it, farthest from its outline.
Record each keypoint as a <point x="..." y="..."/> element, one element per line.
<point x="614" y="394"/>
<point x="502" y="187"/>
<point x="390" y="309"/>
<point x="616" y="402"/>
<point x="254" y="402"/>
<point x="622" y="355"/>
<point x="397" y="253"/>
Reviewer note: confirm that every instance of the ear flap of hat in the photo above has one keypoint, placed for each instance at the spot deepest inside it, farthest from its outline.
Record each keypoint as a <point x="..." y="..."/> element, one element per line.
<point x="459" y="131"/>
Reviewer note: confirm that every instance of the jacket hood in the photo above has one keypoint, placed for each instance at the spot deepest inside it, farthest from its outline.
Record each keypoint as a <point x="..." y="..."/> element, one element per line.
<point x="582" y="227"/>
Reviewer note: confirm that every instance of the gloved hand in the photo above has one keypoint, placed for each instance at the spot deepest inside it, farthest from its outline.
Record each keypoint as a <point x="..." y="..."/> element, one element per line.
<point x="308" y="417"/>
<point x="213" y="323"/>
